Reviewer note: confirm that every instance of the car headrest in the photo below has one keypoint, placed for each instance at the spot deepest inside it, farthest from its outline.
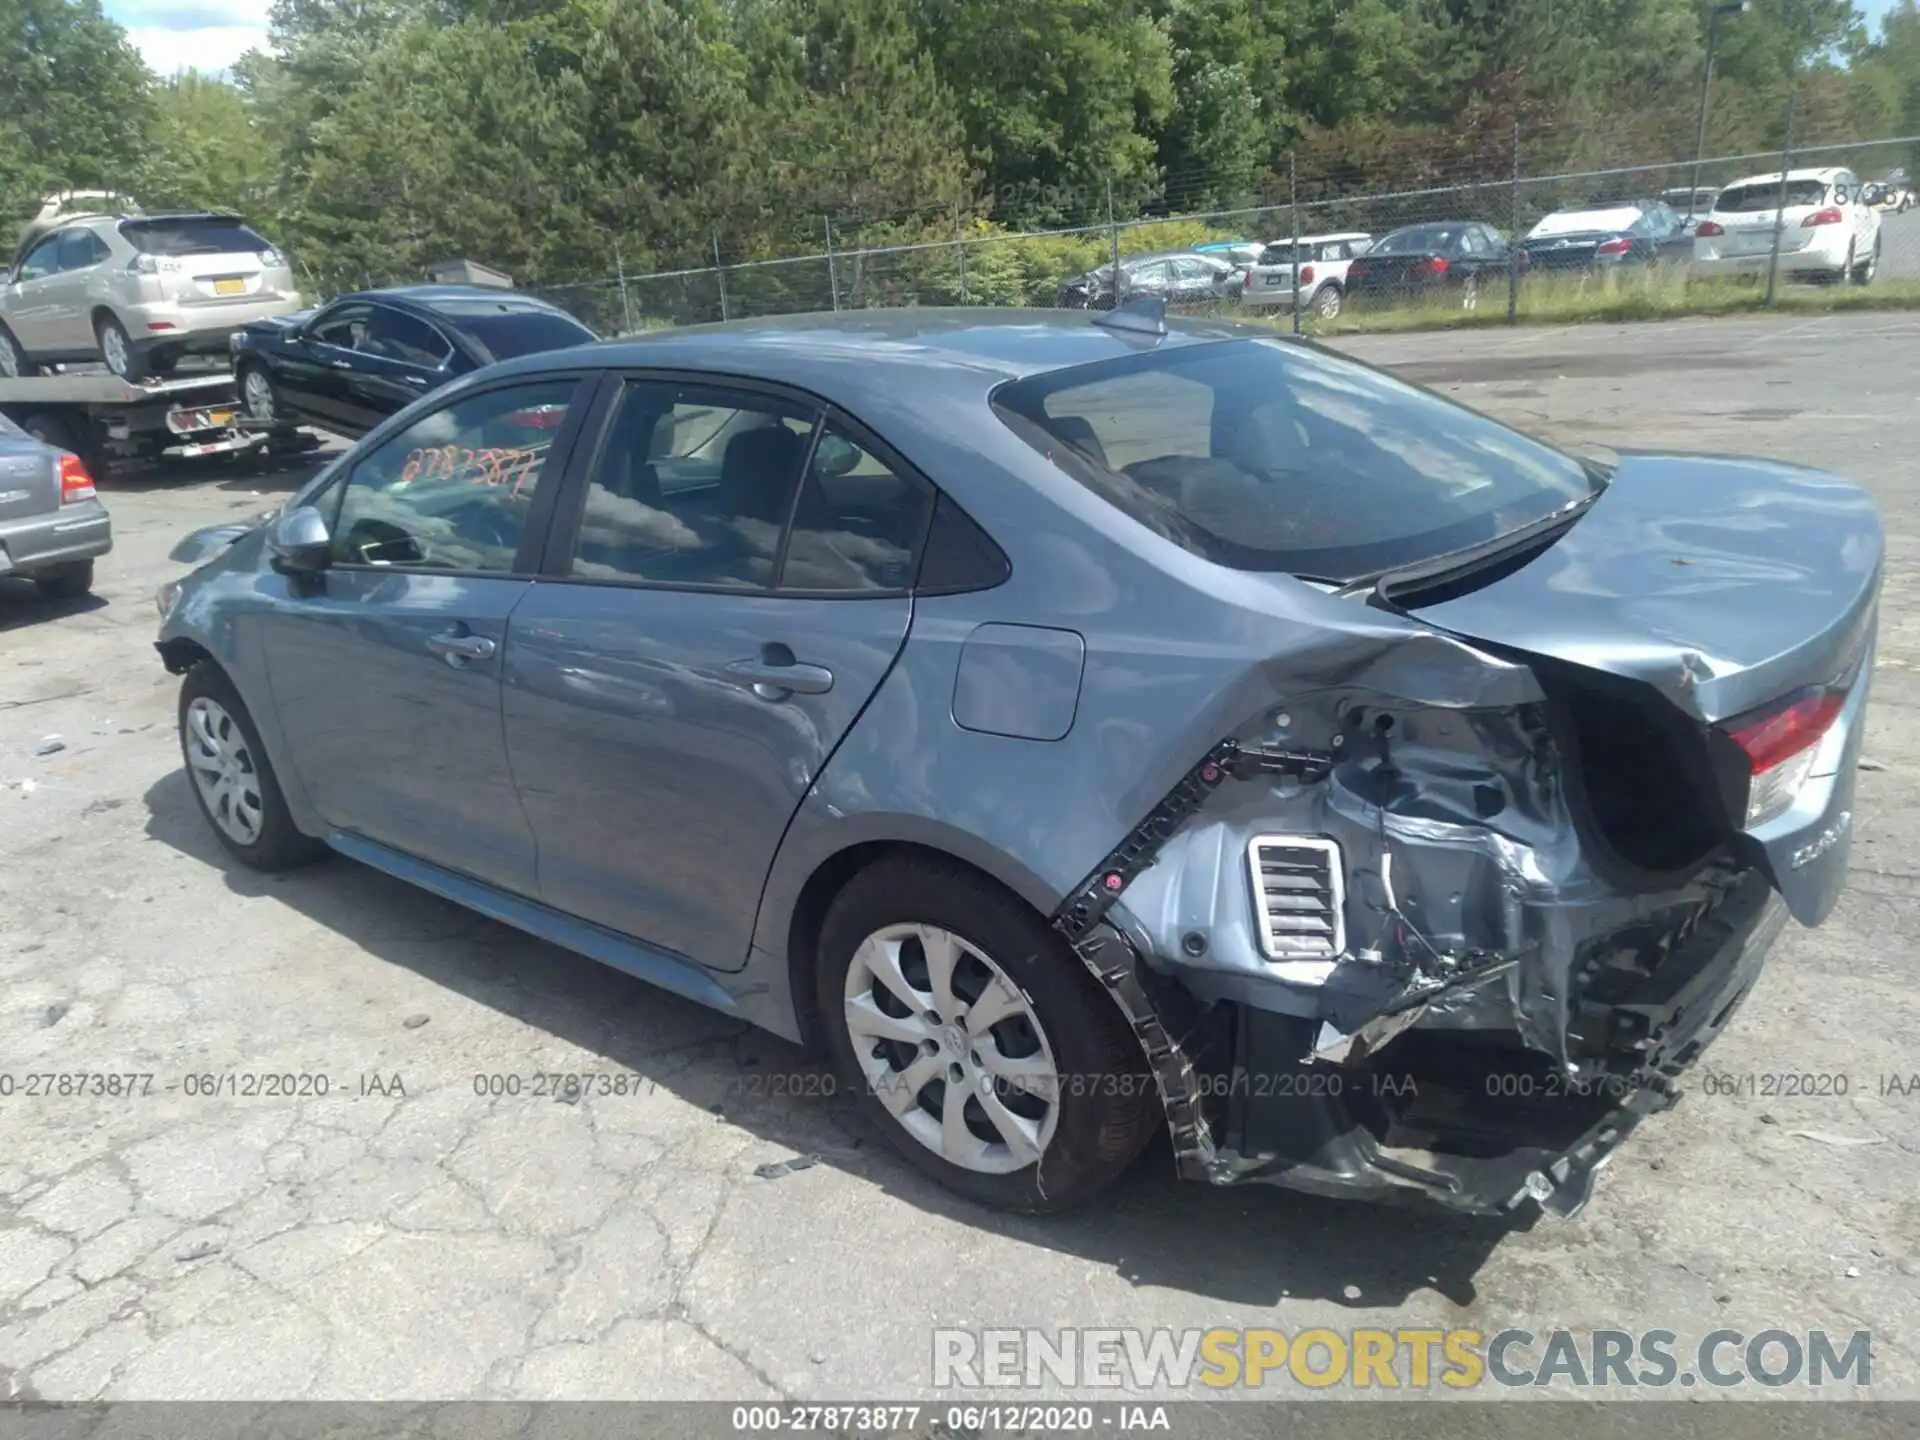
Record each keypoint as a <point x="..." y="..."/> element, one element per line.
<point x="758" y="474"/>
<point x="1078" y="431"/>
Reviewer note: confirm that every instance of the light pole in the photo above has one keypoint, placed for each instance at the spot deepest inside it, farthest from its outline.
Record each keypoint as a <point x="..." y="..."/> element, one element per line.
<point x="1731" y="7"/>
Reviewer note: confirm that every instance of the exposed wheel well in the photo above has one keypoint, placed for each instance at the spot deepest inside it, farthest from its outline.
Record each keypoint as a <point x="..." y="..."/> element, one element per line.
<point x="180" y="654"/>
<point x="817" y="895"/>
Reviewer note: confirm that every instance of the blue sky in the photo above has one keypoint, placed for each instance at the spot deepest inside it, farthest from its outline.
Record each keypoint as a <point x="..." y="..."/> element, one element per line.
<point x="211" y="34"/>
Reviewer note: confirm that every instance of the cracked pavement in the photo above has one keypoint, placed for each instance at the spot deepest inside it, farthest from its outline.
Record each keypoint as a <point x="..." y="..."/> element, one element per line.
<point x="402" y="1236"/>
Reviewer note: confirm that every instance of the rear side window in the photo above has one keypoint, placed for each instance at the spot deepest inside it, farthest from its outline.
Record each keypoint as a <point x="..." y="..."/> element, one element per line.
<point x="1266" y="455"/>
<point x="1766" y="195"/>
<point x="193" y="237"/>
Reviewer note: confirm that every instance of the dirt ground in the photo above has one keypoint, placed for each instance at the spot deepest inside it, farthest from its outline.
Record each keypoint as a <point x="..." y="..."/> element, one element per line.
<point x="405" y="1237"/>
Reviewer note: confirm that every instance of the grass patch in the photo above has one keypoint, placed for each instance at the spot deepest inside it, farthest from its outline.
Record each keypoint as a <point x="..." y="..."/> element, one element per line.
<point x="1648" y="294"/>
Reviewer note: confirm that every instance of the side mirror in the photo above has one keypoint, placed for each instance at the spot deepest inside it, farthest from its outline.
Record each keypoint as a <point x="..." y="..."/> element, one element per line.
<point x="298" y="541"/>
<point x="835" y="456"/>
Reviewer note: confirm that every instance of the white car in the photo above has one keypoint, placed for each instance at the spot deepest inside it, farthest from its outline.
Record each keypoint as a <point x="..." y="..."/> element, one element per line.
<point x="1323" y="261"/>
<point x="1829" y="227"/>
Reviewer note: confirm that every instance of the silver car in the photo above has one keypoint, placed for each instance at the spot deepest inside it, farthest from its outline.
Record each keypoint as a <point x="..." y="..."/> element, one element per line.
<point x="52" y="524"/>
<point x="138" y="291"/>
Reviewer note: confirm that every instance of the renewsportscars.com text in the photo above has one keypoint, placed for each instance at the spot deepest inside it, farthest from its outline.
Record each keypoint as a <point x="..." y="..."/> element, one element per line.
<point x="1414" y="1359"/>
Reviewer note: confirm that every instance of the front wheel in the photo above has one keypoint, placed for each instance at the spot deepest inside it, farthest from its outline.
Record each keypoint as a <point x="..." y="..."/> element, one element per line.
<point x="982" y="1047"/>
<point x="232" y="778"/>
<point x="257" y="395"/>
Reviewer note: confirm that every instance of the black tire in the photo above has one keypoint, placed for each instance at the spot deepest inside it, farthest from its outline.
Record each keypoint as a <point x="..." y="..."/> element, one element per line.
<point x="14" y="363"/>
<point x="163" y="362"/>
<point x="135" y="367"/>
<point x="68" y="582"/>
<point x="1108" y="1107"/>
<point x="280" y="845"/>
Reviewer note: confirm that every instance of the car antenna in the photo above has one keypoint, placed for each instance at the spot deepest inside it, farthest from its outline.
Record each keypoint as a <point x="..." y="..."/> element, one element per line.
<point x="1144" y="316"/>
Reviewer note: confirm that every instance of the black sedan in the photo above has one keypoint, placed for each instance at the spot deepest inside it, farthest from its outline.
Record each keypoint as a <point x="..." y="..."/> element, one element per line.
<point x="1449" y="259"/>
<point x="1180" y="277"/>
<point x="1642" y="232"/>
<point x="348" y="366"/>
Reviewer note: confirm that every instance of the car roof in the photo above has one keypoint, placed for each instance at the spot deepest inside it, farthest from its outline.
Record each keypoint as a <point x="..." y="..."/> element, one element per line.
<point x="433" y="298"/>
<point x="869" y="360"/>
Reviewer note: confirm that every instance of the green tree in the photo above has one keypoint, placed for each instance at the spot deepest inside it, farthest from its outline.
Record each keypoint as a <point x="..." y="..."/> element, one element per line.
<point x="203" y="151"/>
<point x="78" y="102"/>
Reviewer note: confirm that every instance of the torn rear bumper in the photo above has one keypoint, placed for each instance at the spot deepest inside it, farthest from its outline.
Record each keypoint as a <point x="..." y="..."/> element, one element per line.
<point x="1473" y="1121"/>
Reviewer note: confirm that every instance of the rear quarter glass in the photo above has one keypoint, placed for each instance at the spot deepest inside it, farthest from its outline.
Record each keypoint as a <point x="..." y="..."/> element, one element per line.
<point x="1266" y="455"/>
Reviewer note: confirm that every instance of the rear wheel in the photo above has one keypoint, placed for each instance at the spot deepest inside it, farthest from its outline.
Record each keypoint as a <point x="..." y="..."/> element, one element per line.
<point x="68" y="582"/>
<point x="232" y="778"/>
<point x="1327" y="303"/>
<point x="1470" y="293"/>
<point x="1864" y="272"/>
<point x="14" y="364"/>
<point x="117" y="349"/>
<point x="978" y="1042"/>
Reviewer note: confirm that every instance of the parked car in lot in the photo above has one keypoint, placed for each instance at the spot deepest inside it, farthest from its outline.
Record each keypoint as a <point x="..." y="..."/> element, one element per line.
<point x="1690" y="202"/>
<point x="1179" y="276"/>
<point x="1643" y="232"/>
<point x="1321" y="262"/>
<point x="1829" y="227"/>
<point x="1442" y="258"/>
<point x="1896" y="192"/>
<point x="52" y="524"/>
<point x="783" y="664"/>
<point x="347" y="367"/>
<point x="137" y="291"/>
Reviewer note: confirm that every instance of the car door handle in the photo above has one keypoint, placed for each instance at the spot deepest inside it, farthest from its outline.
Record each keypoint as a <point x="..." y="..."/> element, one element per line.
<point x="458" y="649"/>
<point x="775" y="674"/>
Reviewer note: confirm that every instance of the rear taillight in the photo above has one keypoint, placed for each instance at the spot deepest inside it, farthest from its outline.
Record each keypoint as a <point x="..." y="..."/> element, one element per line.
<point x="1780" y="741"/>
<point x="1356" y="269"/>
<point x="1246" y="280"/>
<point x="1829" y="216"/>
<point x="1710" y="227"/>
<point x="1306" y="274"/>
<point x="1434" y="265"/>
<point x="1613" y="247"/>
<point x="75" y="482"/>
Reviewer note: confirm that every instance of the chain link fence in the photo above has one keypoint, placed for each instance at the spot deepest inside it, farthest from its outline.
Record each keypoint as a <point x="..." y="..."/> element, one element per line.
<point x="1483" y="203"/>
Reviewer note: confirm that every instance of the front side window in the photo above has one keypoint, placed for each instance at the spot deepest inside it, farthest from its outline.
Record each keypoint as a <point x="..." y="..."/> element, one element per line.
<point x="1267" y="455"/>
<point x="40" y="260"/>
<point x="348" y="327"/>
<point x="452" y="491"/>
<point x="693" y="486"/>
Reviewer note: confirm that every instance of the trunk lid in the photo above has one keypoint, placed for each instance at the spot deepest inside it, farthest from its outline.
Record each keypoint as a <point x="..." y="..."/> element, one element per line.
<point x="29" y="478"/>
<point x="1723" y="585"/>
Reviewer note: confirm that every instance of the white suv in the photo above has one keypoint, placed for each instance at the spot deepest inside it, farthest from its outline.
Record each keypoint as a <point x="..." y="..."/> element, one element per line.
<point x="138" y="291"/>
<point x="1829" y="227"/>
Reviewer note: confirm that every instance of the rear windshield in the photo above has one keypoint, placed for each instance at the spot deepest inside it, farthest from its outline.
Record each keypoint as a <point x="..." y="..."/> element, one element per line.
<point x="1416" y="242"/>
<point x="1766" y="195"/>
<point x="1268" y="455"/>
<point x="506" y="332"/>
<point x="193" y="237"/>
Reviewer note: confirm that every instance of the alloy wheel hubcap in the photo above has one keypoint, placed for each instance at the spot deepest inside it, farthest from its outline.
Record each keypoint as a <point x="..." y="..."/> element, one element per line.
<point x="113" y="349"/>
<point x="952" y="1048"/>
<point x="223" y="771"/>
<point x="9" y="358"/>
<point x="259" y="396"/>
